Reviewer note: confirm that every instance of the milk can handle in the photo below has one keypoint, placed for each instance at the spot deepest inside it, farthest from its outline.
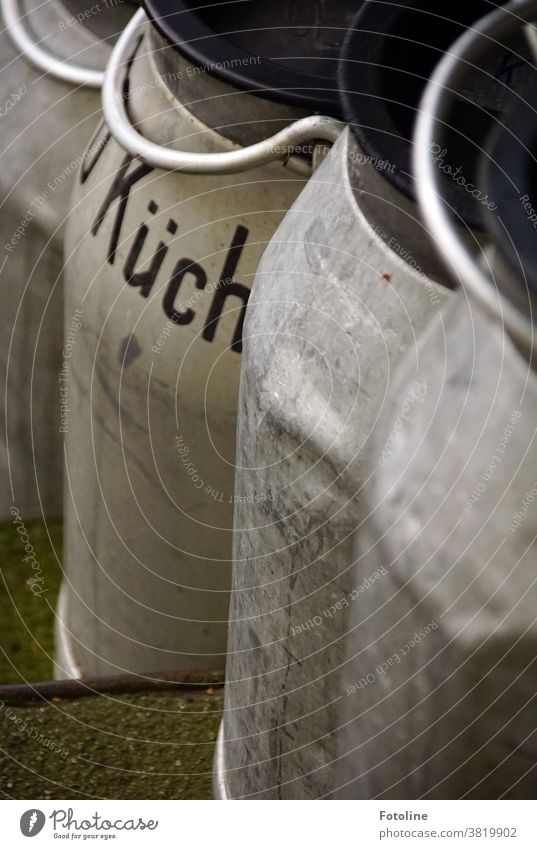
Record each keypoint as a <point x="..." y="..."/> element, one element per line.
<point x="279" y="146"/>
<point x="62" y="69"/>
<point x="471" y="50"/>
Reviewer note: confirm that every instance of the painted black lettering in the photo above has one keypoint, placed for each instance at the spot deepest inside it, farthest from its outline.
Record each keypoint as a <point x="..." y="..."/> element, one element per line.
<point x="183" y="267"/>
<point x="120" y="189"/>
<point x="228" y="288"/>
<point x="145" y="279"/>
<point x="507" y="67"/>
<point x="94" y="151"/>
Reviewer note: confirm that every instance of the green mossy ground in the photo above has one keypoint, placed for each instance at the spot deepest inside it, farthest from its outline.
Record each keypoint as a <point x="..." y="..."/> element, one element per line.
<point x="143" y="746"/>
<point x="27" y="620"/>
<point x="147" y="746"/>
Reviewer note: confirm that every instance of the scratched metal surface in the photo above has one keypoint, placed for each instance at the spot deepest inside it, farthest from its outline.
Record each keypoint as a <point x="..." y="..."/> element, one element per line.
<point x="331" y="314"/>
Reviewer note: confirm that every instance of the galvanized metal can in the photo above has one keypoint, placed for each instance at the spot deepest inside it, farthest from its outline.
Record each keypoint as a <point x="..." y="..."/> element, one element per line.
<point x="439" y="670"/>
<point x="346" y="287"/>
<point x="161" y="249"/>
<point x="438" y="683"/>
<point x="52" y="61"/>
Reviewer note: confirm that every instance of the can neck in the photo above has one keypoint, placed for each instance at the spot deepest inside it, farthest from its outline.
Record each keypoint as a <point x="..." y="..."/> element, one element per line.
<point x="288" y="50"/>
<point x="240" y="116"/>
<point x="392" y="215"/>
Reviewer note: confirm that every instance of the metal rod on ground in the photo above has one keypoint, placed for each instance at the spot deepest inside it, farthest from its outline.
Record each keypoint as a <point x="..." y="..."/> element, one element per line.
<point x="78" y="688"/>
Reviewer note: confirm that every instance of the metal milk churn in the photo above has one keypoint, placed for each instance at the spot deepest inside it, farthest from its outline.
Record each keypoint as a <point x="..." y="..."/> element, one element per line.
<point x="346" y="286"/>
<point x="440" y="667"/>
<point x="208" y="141"/>
<point x="53" y="56"/>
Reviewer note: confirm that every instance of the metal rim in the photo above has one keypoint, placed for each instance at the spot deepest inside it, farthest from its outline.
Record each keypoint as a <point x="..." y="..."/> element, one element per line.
<point x="229" y="61"/>
<point x="220" y="791"/>
<point x="277" y="147"/>
<point x="469" y="50"/>
<point x="44" y="61"/>
<point x="65" y="662"/>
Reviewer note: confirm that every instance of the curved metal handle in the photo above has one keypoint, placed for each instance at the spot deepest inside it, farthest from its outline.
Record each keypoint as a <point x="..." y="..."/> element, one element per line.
<point x="44" y="61"/>
<point x="467" y="53"/>
<point x="279" y="146"/>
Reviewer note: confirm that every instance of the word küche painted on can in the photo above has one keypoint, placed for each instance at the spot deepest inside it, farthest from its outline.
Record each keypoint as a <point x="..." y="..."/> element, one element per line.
<point x="120" y="190"/>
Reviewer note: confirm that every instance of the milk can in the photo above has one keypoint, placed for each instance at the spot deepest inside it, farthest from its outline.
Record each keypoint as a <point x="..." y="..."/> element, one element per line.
<point x="208" y="142"/>
<point x="439" y="680"/>
<point x="53" y="56"/>
<point x="346" y="286"/>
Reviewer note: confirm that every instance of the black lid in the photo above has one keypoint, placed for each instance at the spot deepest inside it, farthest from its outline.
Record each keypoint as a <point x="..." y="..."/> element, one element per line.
<point x="386" y="61"/>
<point x="285" y="51"/>
<point x="510" y="174"/>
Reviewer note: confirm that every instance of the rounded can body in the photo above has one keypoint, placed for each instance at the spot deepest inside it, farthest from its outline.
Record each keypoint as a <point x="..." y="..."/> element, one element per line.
<point x="336" y="303"/>
<point x="45" y="128"/>
<point x="447" y="711"/>
<point x="160" y="266"/>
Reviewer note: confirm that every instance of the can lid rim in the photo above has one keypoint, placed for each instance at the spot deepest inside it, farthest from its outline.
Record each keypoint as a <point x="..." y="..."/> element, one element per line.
<point x="365" y="100"/>
<point x="189" y="34"/>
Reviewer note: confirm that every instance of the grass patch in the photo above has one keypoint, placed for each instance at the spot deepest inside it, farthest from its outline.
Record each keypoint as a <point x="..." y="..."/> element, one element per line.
<point x="27" y="620"/>
<point x="143" y="746"/>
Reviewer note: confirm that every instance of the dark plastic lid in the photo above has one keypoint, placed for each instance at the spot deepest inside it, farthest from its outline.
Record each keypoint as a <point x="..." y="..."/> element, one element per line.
<point x="286" y="51"/>
<point x="510" y="174"/>
<point x="387" y="58"/>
